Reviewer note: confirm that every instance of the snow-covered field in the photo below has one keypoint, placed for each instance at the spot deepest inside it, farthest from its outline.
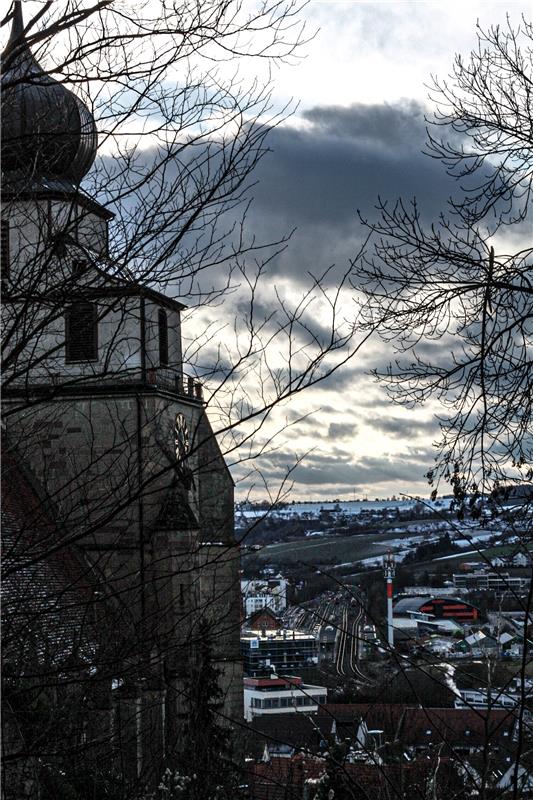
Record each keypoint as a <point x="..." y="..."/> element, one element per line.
<point x="312" y="510"/>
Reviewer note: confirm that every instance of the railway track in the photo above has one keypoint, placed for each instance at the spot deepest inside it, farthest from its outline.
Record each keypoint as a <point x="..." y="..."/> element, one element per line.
<point x="348" y="644"/>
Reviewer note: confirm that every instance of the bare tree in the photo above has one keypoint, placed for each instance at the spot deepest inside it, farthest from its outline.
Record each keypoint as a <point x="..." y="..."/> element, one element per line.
<point x="448" y="296"/>
<point x="116" y="424"/>
<point x="453" y="298"/>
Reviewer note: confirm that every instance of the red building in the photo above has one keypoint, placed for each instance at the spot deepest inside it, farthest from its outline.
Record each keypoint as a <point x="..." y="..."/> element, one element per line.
<point x="263" y="619"/>
<point x="437" y="607"/>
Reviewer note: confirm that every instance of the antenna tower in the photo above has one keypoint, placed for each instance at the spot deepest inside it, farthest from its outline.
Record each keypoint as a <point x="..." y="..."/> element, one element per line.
<point x="389" y="569"/>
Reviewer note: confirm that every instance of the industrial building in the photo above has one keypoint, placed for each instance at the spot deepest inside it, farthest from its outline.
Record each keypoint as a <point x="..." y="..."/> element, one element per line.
<point x="437" y="608"/>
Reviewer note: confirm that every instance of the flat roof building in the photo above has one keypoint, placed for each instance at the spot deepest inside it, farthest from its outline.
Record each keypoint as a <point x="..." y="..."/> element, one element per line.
<point x="499" y="582"/>
<point x="281" y="695"/>
<point x="282" y="651"/>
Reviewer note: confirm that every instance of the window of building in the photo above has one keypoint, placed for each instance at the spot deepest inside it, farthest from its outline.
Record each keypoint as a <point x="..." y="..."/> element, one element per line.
<point x="5" y="255"/>
<point x="163" y="337"/>
<point x="81" y="332"/>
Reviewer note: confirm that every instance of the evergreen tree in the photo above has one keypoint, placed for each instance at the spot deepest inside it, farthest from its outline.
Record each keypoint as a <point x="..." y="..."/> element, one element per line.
<point x="206" y="757"/>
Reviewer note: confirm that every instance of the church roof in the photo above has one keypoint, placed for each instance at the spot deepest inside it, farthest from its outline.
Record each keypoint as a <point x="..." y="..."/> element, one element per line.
<point x="48" y="133"/>
<point x="47" y="586"/>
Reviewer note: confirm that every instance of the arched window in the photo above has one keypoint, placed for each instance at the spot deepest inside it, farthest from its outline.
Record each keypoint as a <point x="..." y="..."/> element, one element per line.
<point x="163" y="338"/>
<point x="81" y="332"/>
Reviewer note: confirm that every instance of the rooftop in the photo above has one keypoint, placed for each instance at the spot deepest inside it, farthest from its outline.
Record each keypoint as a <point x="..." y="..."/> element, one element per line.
<point x="281" y="635"/>
<point x="287" y="680"/>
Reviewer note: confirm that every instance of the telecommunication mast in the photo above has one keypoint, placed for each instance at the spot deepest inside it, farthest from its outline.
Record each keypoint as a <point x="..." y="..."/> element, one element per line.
<point x="389" y="568"/>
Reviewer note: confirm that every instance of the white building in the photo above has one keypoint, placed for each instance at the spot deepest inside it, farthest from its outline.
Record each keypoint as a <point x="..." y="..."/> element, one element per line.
<point x="276" y="695"/>
<point x="479" y="698"/>
<point x="270" y="593"/>
<point x="498" y="582"/>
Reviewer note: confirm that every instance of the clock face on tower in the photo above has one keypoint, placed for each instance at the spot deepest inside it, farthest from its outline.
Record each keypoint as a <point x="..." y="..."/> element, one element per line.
<point x="181" y="438"/>
<point x="182" y="448"/>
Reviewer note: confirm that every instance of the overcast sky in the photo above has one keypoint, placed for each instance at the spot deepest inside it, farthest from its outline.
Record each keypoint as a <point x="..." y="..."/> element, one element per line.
<point x="358" y="132"/>
<point x="360" y="93"/>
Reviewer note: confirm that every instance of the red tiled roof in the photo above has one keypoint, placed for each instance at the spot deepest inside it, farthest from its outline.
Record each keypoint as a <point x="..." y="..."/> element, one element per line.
<point x="410" y="724"/>
<point x="285" y="778"/>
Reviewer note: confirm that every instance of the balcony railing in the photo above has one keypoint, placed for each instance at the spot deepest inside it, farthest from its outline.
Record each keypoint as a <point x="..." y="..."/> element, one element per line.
<point x="176" y="381"/>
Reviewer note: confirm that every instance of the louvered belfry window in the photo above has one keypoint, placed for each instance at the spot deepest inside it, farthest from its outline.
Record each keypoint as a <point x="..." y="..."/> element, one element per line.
<point x="5" y="255"/>
<point x="81" y="332"/>
<point x="163" y="338"/>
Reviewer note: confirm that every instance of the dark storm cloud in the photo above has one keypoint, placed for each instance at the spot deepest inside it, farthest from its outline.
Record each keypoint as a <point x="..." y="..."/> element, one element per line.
<point x="377" y="399"/>
<point x="316" y="178"/>
<point x="393" y="126"/>
<point x="346" y="157"/>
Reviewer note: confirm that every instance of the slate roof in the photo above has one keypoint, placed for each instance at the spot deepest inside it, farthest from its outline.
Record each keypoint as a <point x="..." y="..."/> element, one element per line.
<point x="47" y="587"/>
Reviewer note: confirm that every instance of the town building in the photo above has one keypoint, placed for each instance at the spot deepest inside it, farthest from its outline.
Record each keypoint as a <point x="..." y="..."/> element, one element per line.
<point x="497" y="582"/>
<point x="278" y="695"/>
<point x="409" y="591"/>
<point x="509" y="697"/>
<point x="383" y="746"/>
<point x="263" y="620"/>
<point x="269" y="593"/>
<point x="369" y="726"/>
<point x="284" y="651"/>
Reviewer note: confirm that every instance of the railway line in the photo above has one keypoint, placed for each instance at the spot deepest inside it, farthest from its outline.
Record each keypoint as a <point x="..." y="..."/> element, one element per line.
<point x="348" y="642"/>
<point x="346" y="615"/>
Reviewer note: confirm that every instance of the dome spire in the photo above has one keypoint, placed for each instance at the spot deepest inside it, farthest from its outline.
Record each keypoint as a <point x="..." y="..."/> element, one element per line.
<point x="47" y="131"/>
<point x="17" y="27"/>
<point x="16" y="37"/>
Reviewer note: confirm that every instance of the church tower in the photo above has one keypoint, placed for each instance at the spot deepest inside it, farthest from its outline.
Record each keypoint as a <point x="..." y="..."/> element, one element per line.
<point x="99" y="408"/>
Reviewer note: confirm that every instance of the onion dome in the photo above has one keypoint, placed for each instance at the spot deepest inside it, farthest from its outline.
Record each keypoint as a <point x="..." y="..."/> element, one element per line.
<point x="47" y="132"/>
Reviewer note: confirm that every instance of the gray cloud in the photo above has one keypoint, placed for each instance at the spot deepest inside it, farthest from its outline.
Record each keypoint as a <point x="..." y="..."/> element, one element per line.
<point x="316" y="178"/>
<point x="345" y="159"/>
<point x="402" y="428"/>
<point x="342" y="430"/>
<point x="341" y="471"/>
<point x="393" y="126"/>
